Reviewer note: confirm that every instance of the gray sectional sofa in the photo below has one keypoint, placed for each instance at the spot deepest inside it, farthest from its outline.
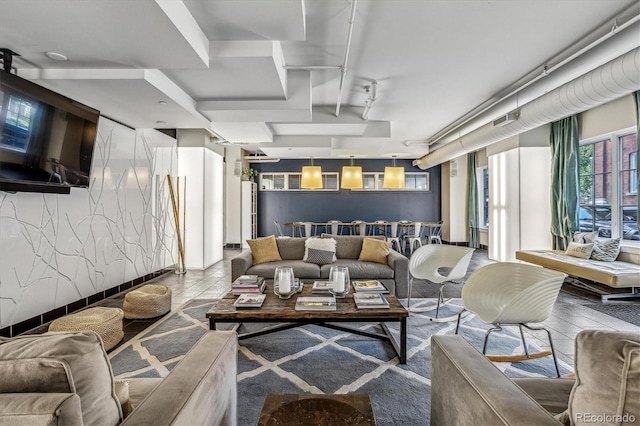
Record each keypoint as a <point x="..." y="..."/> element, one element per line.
<point x="394" y="274"/>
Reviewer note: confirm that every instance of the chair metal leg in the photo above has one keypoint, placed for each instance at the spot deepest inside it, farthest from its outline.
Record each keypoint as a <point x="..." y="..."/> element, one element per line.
<point x="553" y="352"/>
<point x="459" y="318"/>
<point x="486" y="337"/>
<point x="440" y="299"/>
<point x="524" y="343"/>
<point x="409" y="295"/>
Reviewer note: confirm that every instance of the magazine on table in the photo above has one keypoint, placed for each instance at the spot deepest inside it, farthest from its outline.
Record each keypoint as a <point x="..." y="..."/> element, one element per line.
<point x="256" y="282"/>
<point x="315" y="303"/>
<point x="250" y="300"/>
<point x="371" y="286"/>
<point x="370" y="301"/>
<point x="321" y="287"/>
<point x="249" y="290"/>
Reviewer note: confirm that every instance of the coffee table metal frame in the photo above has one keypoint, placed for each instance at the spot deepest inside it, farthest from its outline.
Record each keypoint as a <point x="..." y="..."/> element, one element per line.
<point x="283" y="311"/>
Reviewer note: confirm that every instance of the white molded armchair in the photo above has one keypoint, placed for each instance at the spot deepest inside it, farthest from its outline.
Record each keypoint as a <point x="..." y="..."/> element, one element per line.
<point x="512" y="294"/>
<point x="426" y="263"/>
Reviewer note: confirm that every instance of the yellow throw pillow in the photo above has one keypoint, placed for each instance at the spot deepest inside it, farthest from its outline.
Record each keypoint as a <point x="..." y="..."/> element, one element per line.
<point x="374" y="250"/>
<point x="264" y="250"/>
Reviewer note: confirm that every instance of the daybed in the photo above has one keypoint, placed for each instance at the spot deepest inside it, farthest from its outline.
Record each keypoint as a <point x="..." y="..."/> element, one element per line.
<point x="65" y="378"/>
<point x="394" y="274"/>
<point x="624" y="272"/>
<point x="468" y="389"/>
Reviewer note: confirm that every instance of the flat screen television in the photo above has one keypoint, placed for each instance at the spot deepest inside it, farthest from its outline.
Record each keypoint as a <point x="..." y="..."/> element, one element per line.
<point x="46" y="139"/>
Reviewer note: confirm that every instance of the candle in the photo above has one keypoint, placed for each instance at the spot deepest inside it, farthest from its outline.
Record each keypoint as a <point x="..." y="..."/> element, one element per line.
<point x="338" y="281"/>
<point x="285" y="282"/>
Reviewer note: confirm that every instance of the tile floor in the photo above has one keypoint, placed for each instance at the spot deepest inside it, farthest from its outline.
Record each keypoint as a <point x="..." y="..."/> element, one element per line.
<point x="568" y="318"/>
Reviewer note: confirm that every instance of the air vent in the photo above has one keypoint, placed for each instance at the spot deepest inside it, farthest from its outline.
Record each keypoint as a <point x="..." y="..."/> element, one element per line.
<point x="506" y="119"/>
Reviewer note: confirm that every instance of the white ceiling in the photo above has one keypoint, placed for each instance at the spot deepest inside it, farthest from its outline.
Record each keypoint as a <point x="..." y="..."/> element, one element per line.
<point x="220" y="64"/>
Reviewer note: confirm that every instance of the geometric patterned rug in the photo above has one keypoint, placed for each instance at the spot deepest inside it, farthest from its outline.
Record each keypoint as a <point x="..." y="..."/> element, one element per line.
<point x="313" y="359"/>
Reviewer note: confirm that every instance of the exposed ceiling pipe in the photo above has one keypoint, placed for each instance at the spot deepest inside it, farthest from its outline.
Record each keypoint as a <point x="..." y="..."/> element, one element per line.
<point x="347" y="47"/>
<point x="610" y="81"/>
<point x="597" y="37"/>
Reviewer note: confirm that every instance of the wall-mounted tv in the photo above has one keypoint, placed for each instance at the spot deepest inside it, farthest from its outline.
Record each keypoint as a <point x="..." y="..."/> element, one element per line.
<point x="46" y="139"/>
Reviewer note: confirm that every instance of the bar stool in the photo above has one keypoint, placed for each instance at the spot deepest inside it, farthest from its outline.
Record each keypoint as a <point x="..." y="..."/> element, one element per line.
<point x="358" y="227"/>
<point x="393" y="237"/>
<point x="414" y="236"/>
<point x="336" y="227"/>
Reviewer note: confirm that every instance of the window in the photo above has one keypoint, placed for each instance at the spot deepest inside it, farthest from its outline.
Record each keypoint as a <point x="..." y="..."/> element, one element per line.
<point x="482" y="178"/>
<point x="16" y="115"/>
<point x="414" y="181"/>
<point x="291" y="182"/>
<point x="608" y="186"/>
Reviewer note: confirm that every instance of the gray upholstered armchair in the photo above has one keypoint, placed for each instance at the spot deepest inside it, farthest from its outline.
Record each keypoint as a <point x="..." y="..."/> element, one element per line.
<point x="65" y="378"/>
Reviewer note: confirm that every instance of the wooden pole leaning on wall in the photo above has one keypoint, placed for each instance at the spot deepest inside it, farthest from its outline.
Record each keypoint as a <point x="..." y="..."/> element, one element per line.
<point x="175" y="202"/>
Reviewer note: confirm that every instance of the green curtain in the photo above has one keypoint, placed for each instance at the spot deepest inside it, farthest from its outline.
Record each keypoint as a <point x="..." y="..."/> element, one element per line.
<point x="564" y="180"/>
<point x="636" y="96"/>
<point x="472" y="200"/>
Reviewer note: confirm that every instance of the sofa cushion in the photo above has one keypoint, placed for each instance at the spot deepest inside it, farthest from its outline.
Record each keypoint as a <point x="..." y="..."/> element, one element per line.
<point x="326" y="248"/>
<point x="301" y="269"/>
<point x="291" y="248"/>
<point x="35" y="375"/>
<point x="606" y="250"/>
<point x="88" y="363"/>
<point x="552" y="394"/>
<point x="585" y="237"/>
<point x="264" y="250"/>
<point x="348" y="246"/>
<point x="374" y="251"/>
<point x="579" y="250"/>
<point x="360" y="270"/>
<point x="607" y="366"/>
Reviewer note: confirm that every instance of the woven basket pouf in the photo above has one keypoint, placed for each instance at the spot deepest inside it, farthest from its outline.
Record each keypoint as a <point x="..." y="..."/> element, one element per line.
<point x="148" y="301"/>
<point x="107" y="322"/>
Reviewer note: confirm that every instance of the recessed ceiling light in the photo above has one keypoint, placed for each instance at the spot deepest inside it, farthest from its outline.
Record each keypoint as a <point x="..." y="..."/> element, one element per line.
<point x="162" y="102"/>
<point x="56" y="56"/>
<point x="161" y="122"/>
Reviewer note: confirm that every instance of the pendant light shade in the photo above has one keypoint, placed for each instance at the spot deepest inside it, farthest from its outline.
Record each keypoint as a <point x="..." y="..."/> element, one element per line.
<point x="393" y="177"/>
<point x="311" y="177"/>
<point x="351" y="177"/>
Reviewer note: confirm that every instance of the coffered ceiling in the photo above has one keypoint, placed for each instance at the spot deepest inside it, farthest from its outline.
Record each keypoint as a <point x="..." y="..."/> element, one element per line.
<point x="266" y="73"/>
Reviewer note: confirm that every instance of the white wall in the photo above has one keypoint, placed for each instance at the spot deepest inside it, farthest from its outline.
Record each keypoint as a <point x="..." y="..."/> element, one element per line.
<point x="454" y="200"/>
<point x="203" y="239"/>
<point x="57" y="249"/>
<point x="519" y="194"/>
<point x="232" y="199"/>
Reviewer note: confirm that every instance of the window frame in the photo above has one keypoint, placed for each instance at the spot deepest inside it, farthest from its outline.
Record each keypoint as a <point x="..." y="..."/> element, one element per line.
<point x="287" y="175"/>
<point x="617" y="184"/>
<point x="378" y="178"/>
<point x="483" y="196"/>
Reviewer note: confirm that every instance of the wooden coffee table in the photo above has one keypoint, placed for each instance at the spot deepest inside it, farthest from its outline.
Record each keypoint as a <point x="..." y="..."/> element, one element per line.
<point x="317" y="410"/>
<point x="283" y="311"/>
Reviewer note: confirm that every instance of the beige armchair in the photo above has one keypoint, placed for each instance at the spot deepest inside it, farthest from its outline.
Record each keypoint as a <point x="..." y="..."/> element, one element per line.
<point x="65" y="378"/>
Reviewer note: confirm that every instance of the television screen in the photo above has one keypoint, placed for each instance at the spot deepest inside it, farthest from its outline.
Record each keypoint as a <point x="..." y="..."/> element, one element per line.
<point x="45" y="138"/>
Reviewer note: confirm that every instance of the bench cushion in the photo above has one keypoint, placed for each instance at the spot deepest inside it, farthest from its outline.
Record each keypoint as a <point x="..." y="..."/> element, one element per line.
<point x="616" y="274"/>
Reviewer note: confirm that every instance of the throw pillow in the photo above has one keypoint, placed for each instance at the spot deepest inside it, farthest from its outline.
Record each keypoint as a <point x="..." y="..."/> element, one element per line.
<point x="374" y="251"/>
<point x="88" y="365"/>
<point x="606" y="250"/>
<point x="319" y="257"/>
<point x="607" y="366"/>
<point x="326" y="245"/>
<point x="585" y="237"/>
<point x="264" y="250"/>
<point x="583" y="251"/>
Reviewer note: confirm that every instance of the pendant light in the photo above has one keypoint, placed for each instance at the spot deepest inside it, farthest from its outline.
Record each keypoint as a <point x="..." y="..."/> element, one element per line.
<point x="393" y="176"/>
<point x="351" y="176"/>
<point x="311" y="176"/>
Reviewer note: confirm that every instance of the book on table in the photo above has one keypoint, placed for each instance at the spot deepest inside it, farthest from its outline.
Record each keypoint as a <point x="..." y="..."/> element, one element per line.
<point x="253" y="289"/>
<point x="370" y="301"/>
<point x="369" y="286"/>
<point x="316" y="303"/>
<point x="250" y="300"/>
<point x="322" y="287"/>
<point x="253" y="282"/>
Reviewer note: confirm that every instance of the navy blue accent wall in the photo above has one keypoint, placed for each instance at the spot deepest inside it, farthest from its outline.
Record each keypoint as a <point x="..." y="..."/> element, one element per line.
<point x="345" y="205"/>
